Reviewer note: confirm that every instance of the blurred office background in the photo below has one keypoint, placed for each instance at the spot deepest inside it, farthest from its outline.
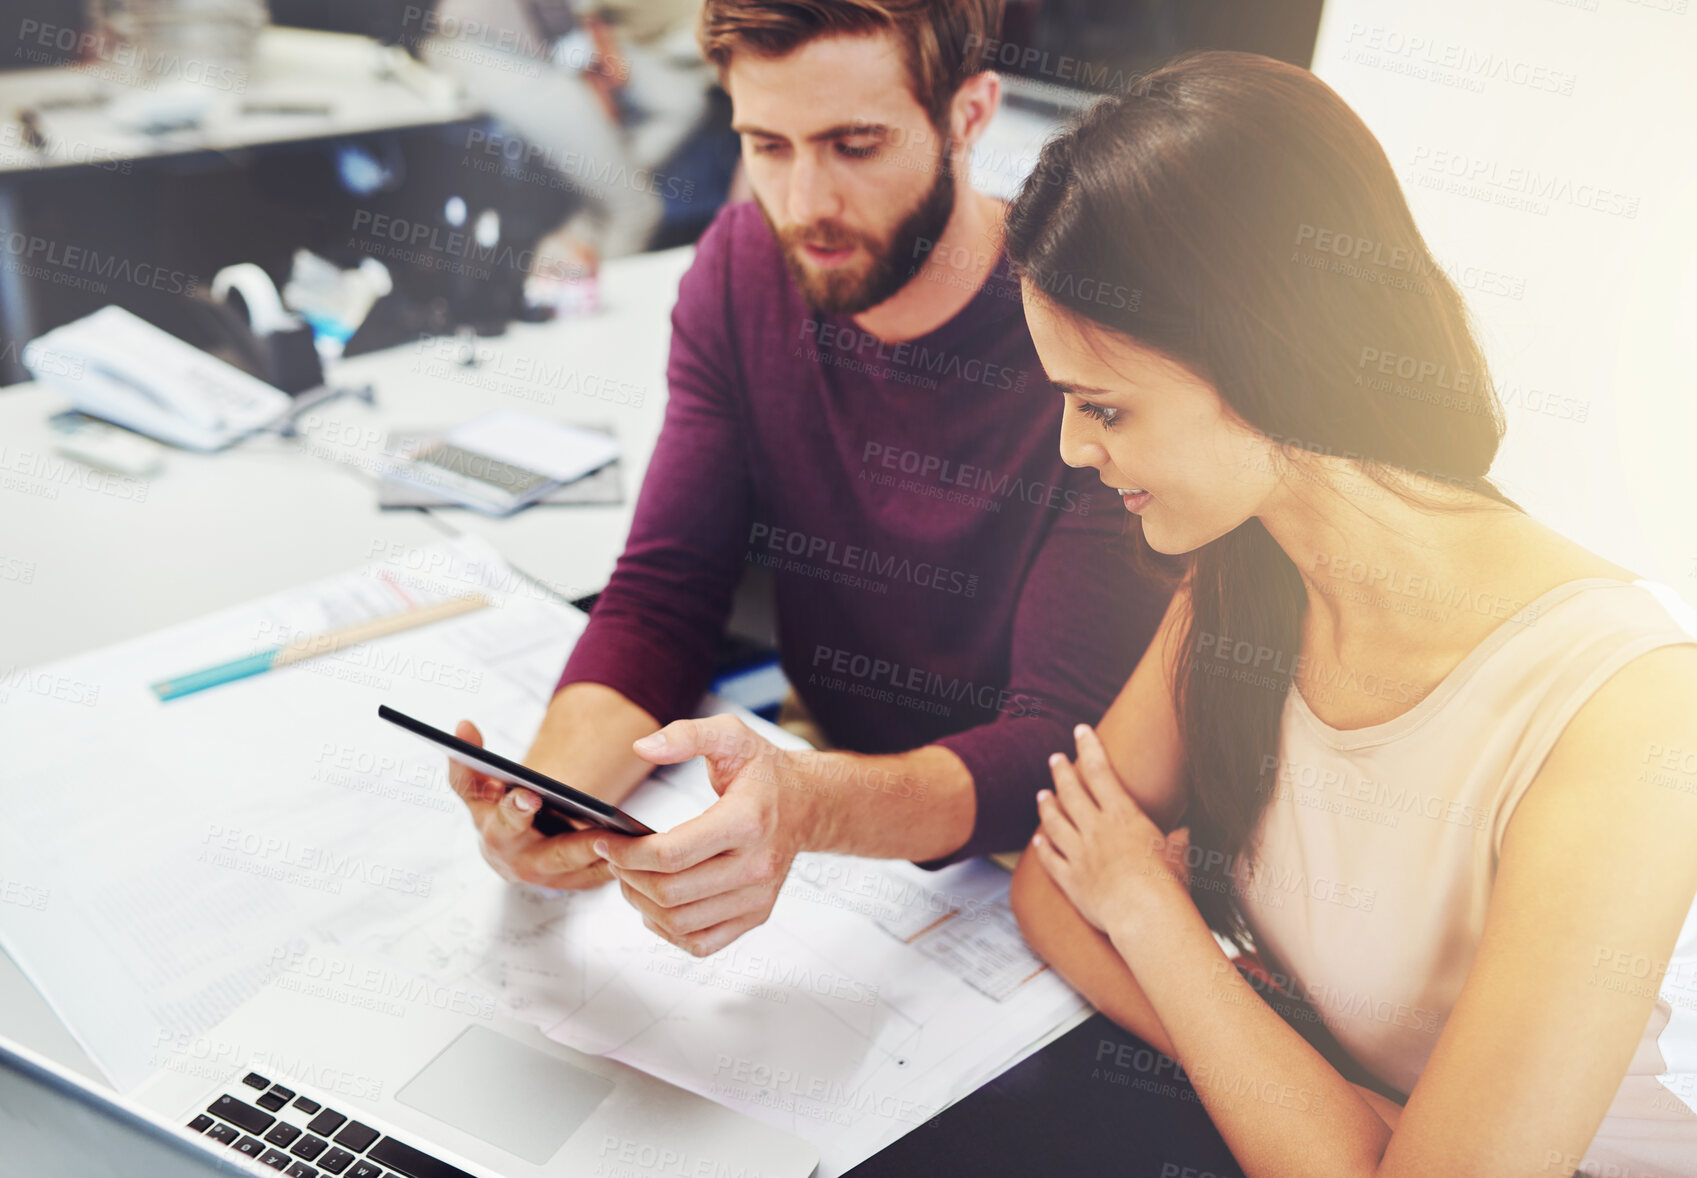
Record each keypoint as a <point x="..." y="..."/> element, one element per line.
<point x="147" y="144"/>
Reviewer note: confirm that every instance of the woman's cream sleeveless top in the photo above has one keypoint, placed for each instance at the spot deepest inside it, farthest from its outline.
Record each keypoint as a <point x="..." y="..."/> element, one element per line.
<point x="1379" y="846"/>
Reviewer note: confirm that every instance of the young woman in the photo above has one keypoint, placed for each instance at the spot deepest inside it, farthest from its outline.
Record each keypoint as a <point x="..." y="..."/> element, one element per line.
<point x="1434" y="763"/>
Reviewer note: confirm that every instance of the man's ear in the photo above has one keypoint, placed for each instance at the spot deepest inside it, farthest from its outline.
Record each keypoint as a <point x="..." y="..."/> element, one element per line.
<point x="974" y="105"/>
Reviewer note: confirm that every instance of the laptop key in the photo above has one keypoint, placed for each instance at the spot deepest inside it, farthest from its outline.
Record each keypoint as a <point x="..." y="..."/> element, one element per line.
<point x="336" y="1160"/>
<point x="307" y="1105"/>
<point x="255" y="1080"/>
<point x="300" y="1170"/>
<point x="224" y="1134"/>
<point x="356" y="1137"/>
<point x="412" y="1163"/>
<point x="364" y="1169"/>
<point x="309" y="1147"/>
<point x="282" y="1133"/>
<point x="202" y="1123"/>
<point x="237" y="1112"/>
<point x="275" y="1158"/>
<point x="272" y="1101"/>
<point x="326" y="1122"/>
<point x="287" y="1094"/>
<point x="252" y="1146"/>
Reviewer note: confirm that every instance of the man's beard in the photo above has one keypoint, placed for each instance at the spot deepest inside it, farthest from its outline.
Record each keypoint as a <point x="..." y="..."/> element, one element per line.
<point x="849" y="293"/>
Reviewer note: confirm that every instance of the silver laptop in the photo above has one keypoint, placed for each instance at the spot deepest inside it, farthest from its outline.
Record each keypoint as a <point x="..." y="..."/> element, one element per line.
<point x="308" y="1082"/>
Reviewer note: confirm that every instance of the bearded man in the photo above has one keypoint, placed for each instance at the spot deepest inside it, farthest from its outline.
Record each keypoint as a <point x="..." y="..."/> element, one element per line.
<point x="855" y="404"/>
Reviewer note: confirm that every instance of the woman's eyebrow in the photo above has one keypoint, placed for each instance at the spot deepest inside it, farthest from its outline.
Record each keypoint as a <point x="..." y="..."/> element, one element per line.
<point x="1079" y="390"/>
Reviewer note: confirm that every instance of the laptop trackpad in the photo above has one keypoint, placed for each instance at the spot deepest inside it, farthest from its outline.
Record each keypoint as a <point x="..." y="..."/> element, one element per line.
<point x="505" y="1093"/>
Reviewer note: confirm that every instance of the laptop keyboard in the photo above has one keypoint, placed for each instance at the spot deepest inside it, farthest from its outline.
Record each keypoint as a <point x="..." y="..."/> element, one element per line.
<point x="302" y="1138"/>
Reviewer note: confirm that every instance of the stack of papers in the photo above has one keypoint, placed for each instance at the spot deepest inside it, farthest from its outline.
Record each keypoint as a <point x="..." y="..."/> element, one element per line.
<point x="503" y="461"/>
<point x="604" y="485"/>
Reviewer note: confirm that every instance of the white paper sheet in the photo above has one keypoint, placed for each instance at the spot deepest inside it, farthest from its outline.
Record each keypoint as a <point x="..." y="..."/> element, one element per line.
<point x="179" y="844"/>
<point x="875" y="996"/>
<point x="562" y="452"/>
<point x="217" y="835"/>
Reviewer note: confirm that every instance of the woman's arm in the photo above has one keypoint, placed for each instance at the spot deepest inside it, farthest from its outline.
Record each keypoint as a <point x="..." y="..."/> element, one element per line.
<point x="1596" y="868"/>
<point x="1141" y="736"/>
<point x="1141" y="729"/>
<point x="1092" y="966"/>
<point x="1081" y="955"/>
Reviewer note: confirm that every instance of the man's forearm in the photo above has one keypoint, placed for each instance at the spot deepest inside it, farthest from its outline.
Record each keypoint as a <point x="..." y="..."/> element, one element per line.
<point x="585" y="741"/>
<point x="916" y="805"/>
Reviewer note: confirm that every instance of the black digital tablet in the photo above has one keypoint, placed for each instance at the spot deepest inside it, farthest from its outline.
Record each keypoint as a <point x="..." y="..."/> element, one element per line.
<point x="561" y="804"/>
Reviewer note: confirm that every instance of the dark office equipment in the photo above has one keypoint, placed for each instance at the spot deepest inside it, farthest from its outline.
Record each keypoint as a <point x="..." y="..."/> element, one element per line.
<point x="1096" y="45"/>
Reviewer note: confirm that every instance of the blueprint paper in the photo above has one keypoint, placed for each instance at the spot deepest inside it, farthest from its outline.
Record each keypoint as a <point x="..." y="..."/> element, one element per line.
<point x="224" y="833"/>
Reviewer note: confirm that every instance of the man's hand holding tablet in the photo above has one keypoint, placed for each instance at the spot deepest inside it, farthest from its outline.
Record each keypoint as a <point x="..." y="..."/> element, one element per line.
<point x="525" y="819"/>
<point x="705" y="882"/>
<point x="505" y="819"/>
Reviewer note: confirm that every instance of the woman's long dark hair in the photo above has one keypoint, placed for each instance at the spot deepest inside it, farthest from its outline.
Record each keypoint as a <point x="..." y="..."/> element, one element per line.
<point x="1232" y="213"/>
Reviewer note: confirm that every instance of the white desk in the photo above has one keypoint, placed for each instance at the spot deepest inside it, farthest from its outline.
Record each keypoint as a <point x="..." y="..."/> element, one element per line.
<point x="88" y="559"/>
<point x="328" y="83"/>
<point x="107" y="560"/>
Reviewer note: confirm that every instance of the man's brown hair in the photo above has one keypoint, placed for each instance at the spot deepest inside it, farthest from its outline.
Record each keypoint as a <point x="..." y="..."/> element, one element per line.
<point x="944" y="41"/>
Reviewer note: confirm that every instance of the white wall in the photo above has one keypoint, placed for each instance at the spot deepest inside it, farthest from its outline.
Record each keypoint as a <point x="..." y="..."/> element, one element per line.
<point x="1549" y="151"/>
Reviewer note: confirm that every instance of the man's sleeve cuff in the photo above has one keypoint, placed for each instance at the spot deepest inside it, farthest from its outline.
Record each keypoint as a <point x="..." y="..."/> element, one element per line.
<point x="1009" y="763"/>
